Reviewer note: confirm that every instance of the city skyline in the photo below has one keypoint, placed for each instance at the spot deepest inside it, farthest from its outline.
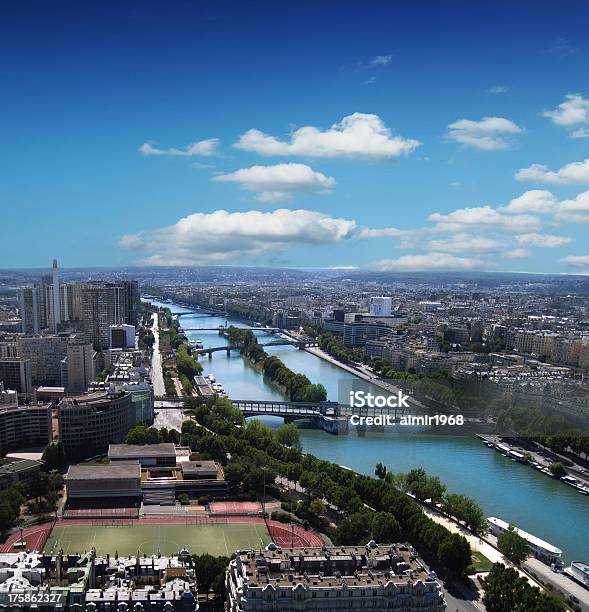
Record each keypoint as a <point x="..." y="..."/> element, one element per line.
<point x="256" y="136"/>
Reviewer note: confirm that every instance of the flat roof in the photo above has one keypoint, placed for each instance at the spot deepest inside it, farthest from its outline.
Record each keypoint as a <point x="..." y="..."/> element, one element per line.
<point x="581" y="566"/>
<point x="19" y="465"/>
<point x="532" y="539"/>
<point x="104" y="471"/>
<point x="163" y="449"/>
<point x="199" y="467"/>
<point x="352" y="566"/>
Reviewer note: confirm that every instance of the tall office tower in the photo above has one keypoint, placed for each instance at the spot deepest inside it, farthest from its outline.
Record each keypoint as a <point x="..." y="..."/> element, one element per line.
<point x="133" y="301"/>
<point x="71" y="301"/>
<point x="45" y="297"/>
<point x="45" y="354"/>
<point x="380" y="306"/>
<point x="30" y="310"/>
<point x="15" y="373"/>
<point x="106" y="304"/>
<point x="80" y="366"/>
<point x="56" y="294"/>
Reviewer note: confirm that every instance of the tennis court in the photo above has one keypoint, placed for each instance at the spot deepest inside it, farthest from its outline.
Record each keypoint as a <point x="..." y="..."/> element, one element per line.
<point x="214" y="538"/>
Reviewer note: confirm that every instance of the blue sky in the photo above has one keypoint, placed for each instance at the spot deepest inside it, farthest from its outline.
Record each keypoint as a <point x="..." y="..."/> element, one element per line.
<point x="352" y="161"/>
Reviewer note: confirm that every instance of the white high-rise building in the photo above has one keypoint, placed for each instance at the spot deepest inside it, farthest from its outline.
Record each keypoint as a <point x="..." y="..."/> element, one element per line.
<point x="381" y="306"/>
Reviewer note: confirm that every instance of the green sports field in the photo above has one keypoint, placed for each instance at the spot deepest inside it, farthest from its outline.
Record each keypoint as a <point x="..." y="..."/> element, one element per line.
<point x="216" y="538"/>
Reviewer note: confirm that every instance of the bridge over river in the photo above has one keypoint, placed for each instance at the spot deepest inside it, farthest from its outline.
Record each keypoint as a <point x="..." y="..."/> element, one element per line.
<point x="228" y="348"/>
<point x="330" y="416"/>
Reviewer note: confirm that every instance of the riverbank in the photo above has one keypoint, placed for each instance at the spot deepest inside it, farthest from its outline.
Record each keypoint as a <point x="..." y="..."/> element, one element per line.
<point x="503" y="488"/>
<point x="363" y="374"/>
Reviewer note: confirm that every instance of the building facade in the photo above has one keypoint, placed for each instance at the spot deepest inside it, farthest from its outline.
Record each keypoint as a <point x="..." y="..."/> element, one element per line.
<point x="45" y="354"/>
<point x="332" y="578"/>
<point x="89" y="423"/>
<point x="15" y="373"/>
<point x="22" y="426"/>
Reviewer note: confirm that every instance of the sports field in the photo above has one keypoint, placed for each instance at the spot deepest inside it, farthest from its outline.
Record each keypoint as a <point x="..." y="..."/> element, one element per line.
<point x="214" y="538"/>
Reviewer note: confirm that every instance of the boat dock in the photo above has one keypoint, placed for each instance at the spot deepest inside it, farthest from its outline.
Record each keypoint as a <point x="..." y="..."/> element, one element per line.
<point x="533" y="459"/>
<point x="203" y="386"/>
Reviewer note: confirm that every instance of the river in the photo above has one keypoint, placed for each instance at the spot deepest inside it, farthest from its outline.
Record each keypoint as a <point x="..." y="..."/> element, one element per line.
<point x="503" y="488"/>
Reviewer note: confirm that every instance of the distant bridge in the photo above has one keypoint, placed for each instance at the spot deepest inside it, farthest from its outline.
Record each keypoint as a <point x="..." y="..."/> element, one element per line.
<point x="223" y="328"/>
<point x="292" y="410"/>
<point x="202" y="312"/>
<point x="236" y="347"/>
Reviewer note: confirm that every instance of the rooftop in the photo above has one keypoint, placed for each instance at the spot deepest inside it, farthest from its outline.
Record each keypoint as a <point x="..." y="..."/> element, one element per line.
<point x="19" y="465"/>
<point x="532" y="539"/>
<point x="100" y="471"/>
<point x="129" y="451"/>
<point x="368" y="566"/>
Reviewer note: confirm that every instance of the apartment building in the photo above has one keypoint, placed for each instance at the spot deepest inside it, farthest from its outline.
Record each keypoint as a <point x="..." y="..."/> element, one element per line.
<point x="45" y="354"/>
<point x="332" y="578"/>
<point x="15" y="373"/>
<point x="22" y="426"/>
<point x="89" y="423"/>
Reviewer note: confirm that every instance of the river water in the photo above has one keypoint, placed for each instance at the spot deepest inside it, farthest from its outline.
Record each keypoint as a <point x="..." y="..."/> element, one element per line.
<point x="514" y="492"/>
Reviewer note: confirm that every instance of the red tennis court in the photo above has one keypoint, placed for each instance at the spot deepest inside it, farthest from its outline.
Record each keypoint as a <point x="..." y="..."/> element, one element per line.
<point x="235" y="508"/>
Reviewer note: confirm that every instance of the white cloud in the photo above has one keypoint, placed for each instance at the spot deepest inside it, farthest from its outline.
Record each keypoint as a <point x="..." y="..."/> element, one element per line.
<point x="381" y="60"/>
<point x="201" y="166"/>
<point x="580" y="133"/>
<point x="276" y="183"/>
<point x="271" y="197"/>
<point x="206" y="148"/>
<point x="579" y="262"/>
<point x="575" y="173"/>
<point x="428" y="262"/>
<point x="533" y="201"/>
<point x="488" y="134"/>
<point x="548" y="241"/>
<point x="358" y="135"/>
<point x="482" y="217"/>
<point x="461" y="243"/>
<point x="575" y="210"/>
<point x="384" y="232"/>
<point x="498" y="89"/>
<point x="573" y="111"/>
<point x="517" y="254"/>
<point x="225" y="237"/>
<point x="370" y="80"/>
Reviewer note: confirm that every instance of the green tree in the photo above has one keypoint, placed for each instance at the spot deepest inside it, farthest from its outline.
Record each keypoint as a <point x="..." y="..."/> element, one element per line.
<point x="210" y="573"/>
<point x="354" y="529"/>
<point x="557" y="469"/>
<point x="314" y="393"/>
<point x="235" y="474"/>
<point x="513" y="546"/>
<point x="288" y="435"/>
<point x="467" y="510"/>
<point x="54" y="456"/>
<point x="424" y="486"/>
<point x="507" y="591"/>
<point x="380" y="471"/>
<point x="385" y="528"/>
<point x="454" y="553"/>
<point x="317" y="507"/>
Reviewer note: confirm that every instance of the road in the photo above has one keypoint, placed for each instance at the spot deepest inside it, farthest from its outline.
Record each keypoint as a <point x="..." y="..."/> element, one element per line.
<point x="157" y="377"/>
<point x="170" y="419"/>
<point x="560" y="582"/>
